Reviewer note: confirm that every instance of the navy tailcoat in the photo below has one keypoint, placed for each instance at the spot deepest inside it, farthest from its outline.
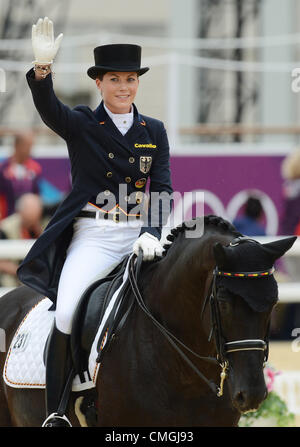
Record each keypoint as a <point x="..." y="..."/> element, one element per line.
<point x="101" y="159"/>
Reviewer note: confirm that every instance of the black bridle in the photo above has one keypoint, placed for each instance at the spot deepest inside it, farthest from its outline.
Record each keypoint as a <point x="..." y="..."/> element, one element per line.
<point x="223" y="348"/>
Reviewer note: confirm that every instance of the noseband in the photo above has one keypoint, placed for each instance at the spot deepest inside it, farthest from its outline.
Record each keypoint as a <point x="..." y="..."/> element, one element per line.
<point x="223" y="348"/>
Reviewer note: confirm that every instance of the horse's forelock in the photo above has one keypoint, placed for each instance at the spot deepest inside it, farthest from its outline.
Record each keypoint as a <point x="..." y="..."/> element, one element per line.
<point x="261" y="294"/>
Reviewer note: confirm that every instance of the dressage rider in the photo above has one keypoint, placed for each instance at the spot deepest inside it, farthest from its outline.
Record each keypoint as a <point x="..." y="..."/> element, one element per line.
<point x="113" y="150"/>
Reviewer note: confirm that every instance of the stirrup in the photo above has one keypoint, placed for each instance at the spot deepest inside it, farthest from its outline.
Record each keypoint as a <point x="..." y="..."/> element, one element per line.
<point x="54" y="420"/>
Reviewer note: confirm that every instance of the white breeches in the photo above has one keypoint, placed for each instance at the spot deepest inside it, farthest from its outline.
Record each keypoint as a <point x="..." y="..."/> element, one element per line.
<point x="96" y="248"/>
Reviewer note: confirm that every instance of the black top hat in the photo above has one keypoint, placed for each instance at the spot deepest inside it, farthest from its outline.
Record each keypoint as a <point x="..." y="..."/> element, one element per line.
<point x="117" y="57"/>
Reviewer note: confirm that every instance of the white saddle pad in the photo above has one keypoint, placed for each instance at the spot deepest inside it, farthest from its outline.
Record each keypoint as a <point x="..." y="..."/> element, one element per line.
<point x="24" y="366"/>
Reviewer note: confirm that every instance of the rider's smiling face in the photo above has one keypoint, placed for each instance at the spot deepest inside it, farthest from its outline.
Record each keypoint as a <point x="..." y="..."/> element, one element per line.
<point x="118" y="90"/>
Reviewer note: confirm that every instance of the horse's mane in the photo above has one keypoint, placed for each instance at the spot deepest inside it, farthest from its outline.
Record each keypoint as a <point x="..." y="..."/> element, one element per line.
<point x="210" y="220"/>
<point x="266" y="288"/>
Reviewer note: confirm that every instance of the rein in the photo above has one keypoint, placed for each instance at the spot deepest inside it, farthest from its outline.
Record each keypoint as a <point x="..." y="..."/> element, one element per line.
<point x="223" y="348"/>
<point x="132" y="276"/>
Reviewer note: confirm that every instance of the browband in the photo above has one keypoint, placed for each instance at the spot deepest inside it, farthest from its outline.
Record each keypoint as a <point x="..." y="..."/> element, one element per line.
<point x="259" y="274"/>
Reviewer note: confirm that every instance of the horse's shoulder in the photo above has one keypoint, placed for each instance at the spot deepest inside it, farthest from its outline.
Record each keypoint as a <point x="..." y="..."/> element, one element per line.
<point x="15" y="304"/>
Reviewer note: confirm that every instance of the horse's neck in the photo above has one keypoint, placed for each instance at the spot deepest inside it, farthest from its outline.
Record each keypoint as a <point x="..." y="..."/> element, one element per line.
<point x="173" y="287"/>
<point x="180" y="285"/>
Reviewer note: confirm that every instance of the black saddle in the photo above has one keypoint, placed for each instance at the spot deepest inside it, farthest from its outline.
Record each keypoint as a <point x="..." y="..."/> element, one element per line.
<point x="90" y="311"/>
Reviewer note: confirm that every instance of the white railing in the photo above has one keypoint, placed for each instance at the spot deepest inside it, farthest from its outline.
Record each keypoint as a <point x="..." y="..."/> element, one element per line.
<point x="289" y="292"/>
<point x="287" y="385"/>
<point x="15" y="248"/>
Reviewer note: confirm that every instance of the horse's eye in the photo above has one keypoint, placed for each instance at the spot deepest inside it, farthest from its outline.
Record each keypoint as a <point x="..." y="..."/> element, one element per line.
<point x="223" y="295"/>
<point x="225" y="301"/>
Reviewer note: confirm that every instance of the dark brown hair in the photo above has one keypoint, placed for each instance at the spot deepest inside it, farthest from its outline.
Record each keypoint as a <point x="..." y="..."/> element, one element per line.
<point x="101" y="73"/>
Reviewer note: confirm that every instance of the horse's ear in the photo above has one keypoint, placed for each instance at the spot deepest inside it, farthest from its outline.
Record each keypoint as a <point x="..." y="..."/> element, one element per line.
<point x="276" y="249"/>
<point x="220" y="254"/>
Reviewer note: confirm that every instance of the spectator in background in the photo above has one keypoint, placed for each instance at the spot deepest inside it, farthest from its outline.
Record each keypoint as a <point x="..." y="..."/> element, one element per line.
<point x="287" y="316"/>
<point x="26" y="223"/>
<point x="290" y="217"/>
<point x="290" y="170"/>
<point x="19" y="174"/>
<point x="249" y="223"/>
<point x="8" y="269"/>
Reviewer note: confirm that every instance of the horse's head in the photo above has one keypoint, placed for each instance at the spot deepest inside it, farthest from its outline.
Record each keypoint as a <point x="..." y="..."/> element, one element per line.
<point x="244" y="293"/>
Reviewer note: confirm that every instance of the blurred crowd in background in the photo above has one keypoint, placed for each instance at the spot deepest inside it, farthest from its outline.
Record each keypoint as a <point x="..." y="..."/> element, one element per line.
<point x="24" y="206"/>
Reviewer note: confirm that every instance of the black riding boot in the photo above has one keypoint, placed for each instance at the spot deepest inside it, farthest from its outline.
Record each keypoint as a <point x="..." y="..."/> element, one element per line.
<point x="58" y="367"/>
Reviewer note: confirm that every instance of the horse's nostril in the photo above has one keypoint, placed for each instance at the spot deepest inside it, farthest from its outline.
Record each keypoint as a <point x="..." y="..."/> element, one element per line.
<point x="245" y="401"/>
<point x="240" y="399"/>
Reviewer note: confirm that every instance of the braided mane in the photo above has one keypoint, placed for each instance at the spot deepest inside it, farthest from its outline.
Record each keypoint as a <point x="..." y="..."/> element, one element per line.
<point x="210" y="219"/>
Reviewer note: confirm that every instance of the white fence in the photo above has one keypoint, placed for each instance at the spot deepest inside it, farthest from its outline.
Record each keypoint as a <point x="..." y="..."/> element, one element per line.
<point x="287" y="385"/>
<point x="289" y="292"/>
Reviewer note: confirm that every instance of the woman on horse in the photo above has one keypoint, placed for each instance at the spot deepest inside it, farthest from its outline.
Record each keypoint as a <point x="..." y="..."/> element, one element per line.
<point x="113" y="150"/>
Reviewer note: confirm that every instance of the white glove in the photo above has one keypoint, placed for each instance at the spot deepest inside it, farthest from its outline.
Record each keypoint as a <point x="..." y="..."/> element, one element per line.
<point x="43" y="43"/>
<point x="150" y="246"/>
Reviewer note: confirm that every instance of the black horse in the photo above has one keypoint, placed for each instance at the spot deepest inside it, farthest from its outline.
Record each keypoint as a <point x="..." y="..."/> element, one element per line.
<point x="193" y="348"/>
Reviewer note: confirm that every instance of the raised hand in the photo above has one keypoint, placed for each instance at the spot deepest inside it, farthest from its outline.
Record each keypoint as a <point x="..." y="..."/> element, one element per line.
<point x="43" y="43"/>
